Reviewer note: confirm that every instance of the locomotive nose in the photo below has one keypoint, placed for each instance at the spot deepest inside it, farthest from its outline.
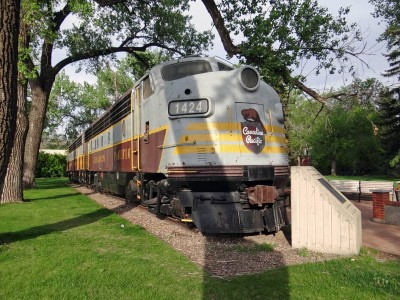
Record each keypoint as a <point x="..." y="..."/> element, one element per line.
<point x="249" y="78"/>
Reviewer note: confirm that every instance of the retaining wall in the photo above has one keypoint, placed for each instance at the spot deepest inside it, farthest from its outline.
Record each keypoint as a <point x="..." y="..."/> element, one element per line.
<point x="323" y="219"/>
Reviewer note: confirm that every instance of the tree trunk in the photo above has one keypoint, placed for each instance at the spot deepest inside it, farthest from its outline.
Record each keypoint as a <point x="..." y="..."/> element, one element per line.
<point x="9" y="27"/>
<point x="37" y="115"/>
<point x="12" y="189"/>
<point x="333" y="167"/>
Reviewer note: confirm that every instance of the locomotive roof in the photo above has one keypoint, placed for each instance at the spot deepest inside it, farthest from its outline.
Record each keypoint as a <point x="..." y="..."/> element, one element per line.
<point x="116" y="111"/>
<point x="116" y="101"/>
<point x="192" y="58"/>
<point x="156" y="71"/>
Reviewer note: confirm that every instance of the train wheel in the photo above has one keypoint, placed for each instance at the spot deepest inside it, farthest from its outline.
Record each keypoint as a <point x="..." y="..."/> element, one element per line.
<point x="97" y="187"/>
<point x="130" y="194"/>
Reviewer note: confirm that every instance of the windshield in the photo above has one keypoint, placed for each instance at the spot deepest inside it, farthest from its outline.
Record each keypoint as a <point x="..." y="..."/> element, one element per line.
<point x="183" y="69"/>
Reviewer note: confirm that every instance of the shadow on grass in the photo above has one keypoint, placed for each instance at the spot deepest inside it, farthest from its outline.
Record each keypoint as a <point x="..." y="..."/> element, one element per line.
<point x="50" y="183"/>
<point x="54" y="197"/>
<point x="231" y="262"/>
<point x="124" y="208"/>
<point x="34" y="232"/>
<point x="287" y="232"/>
<point x="121" y="209"/>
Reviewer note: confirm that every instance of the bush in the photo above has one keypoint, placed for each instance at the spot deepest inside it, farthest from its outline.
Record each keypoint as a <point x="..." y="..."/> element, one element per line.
<point x="51" y="165"/>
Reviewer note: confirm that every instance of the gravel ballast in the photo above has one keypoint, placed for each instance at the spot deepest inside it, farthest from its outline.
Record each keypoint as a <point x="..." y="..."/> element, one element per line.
<point x="221" y="255"/>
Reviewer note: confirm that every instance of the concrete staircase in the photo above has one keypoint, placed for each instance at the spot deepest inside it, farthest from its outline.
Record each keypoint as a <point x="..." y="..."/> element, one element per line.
<point x="323" y="219"/>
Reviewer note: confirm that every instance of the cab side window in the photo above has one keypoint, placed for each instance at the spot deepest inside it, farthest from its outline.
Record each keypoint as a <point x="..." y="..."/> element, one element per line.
<point x="146" y="86"/>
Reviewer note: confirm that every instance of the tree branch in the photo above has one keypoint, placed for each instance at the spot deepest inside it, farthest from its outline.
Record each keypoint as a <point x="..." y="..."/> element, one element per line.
<point x="108" y="51"/>
<point x="60" y="16"/>
<point x="104" y="3"/>
<point x="350" y="53"/>
<point x="309" y="91"/>
<point x="47" y="47"/>
<point x="140" y="59"/>
<point x="340" y="94"/>
<point x="316" y="116"/>
<point x="218" y="20"/>
<point x="231" y="49"/>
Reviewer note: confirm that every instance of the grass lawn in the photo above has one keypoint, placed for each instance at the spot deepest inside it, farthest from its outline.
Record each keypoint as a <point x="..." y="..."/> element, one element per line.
<point x="362" y="178"/>
<point x="62" y="245"/>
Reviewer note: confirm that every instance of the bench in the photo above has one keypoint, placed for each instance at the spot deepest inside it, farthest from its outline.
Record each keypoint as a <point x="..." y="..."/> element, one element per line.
<point x="357" y="190"/>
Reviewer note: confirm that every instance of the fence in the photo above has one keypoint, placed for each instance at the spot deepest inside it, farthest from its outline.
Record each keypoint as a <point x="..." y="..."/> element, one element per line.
<point x="357" y="189"/>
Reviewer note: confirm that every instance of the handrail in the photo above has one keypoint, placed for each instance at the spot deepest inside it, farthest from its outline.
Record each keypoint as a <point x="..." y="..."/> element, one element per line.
<point x="176" y="145"/>
<point x="138" y="126"/>
<point x="132" y="127"/>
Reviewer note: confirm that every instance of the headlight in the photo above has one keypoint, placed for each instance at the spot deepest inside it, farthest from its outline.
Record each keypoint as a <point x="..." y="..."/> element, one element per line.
<point x="249" y="78"/>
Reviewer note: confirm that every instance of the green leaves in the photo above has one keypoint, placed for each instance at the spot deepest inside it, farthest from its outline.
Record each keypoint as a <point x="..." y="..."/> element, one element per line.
<point x="131" y="26"/>
<point x="346" y="135"/>
<point x="51" y="165"/>
<point x="280" y="36"/>
<point x="342" y="131"/>
<point x="389" y="107"/>
<point x="76" y="105"/>
<point x="388" y="10"/>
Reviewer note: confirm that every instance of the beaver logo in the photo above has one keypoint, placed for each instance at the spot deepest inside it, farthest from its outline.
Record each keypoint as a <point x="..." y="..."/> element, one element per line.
<point x="253" y="131"/>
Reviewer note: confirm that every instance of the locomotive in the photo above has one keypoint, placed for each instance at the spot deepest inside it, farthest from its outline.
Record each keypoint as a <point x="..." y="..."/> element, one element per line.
<point x="195" y="139"/>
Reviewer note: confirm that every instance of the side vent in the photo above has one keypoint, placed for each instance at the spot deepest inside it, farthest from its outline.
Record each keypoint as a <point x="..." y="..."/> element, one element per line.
<point x="201" y="154"/>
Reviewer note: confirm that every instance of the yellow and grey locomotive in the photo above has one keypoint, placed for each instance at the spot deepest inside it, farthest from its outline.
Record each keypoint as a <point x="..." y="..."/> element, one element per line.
<point x="195" y="139"/>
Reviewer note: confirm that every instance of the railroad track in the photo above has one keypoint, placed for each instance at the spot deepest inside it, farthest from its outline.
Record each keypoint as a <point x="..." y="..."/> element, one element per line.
<point x="187" y="225"/>
<point x="123" y="207"/>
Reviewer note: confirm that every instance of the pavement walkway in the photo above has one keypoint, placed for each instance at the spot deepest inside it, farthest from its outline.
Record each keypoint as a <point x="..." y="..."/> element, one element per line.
<point x="383" y="237"/>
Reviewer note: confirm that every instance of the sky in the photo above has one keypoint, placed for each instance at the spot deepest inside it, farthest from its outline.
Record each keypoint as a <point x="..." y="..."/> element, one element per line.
<point x="360" y="12"/>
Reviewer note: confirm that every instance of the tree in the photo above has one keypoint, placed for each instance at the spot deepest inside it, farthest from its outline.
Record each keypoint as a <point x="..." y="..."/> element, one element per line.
<point x="9" y="30"/>
<point x="279" y="35"/>
<point x="12" y="189"/>
<point x="301" y="117"/>
<point x="388" y="10"/>
<point x="342" y="134"/>
<point x="389" y="121"/>
<point x="75" y="106"/>
<point x="343" y="139"/>
<point x="101" y="32"/>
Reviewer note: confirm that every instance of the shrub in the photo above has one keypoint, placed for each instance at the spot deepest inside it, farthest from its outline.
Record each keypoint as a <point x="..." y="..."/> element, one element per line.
<point x="51" y="165"/>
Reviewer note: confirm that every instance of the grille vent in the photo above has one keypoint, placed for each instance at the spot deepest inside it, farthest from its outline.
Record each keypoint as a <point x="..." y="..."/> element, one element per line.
<point x="201" y="154"/>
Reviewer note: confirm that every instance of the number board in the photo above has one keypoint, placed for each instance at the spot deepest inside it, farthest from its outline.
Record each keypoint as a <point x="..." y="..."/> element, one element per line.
<point x="188" y="107"/>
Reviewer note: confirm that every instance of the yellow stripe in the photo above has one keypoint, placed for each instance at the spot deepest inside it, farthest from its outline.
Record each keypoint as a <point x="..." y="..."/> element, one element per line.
<point x="109" y="128"/>
<point x="215" y="137"/>
<point x="206" y="137"/>
<point x="158" y="129"/>
<point x="165" y="127"/>
<point x="243" y="149"/>
<point x="187" y="220"/>
<point x="226" y="149"/>
<point x="228" y="126"/>
<point x="194" y="149"/>
<point x="275" y="129"/>
<point x="110" y="146"/>
<point x="209" y="126"/>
